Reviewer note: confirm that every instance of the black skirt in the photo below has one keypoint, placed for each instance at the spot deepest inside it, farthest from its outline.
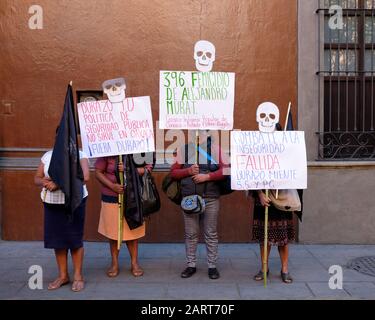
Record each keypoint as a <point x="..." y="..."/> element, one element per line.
<point x="59" y="231"/>
<point x="281" y="228"/>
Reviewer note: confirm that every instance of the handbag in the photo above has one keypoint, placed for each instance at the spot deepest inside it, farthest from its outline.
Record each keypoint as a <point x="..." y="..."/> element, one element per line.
<point x="150" y="196"/>
<point x="288" y="200"/>
<point x="172" y="189"/>
<point x="225" y="186"/>
<point x="193" y="204"/>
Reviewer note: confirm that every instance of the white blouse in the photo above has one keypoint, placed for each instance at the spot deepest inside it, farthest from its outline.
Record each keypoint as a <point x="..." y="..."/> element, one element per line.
<point x="56" y="197"/>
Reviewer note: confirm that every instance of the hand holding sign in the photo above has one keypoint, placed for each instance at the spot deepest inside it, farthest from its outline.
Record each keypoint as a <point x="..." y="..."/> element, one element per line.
<point x="264" y="199"/>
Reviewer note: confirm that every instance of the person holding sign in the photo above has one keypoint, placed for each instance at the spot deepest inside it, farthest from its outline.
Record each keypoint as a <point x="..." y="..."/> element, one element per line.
<point x="107" y="171"/>
<point x="199" y="167"/>
<point x="281" y="232"/>
<point x="278" y="223"/>
<point x="121" y="221"/>
<point x="202" y="100"/>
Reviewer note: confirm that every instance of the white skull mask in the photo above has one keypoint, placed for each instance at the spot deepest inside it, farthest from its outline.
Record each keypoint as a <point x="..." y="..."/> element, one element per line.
<point x="115" y="89"/>
<point x="204" y="55"/>
<point x="268" y="116"/>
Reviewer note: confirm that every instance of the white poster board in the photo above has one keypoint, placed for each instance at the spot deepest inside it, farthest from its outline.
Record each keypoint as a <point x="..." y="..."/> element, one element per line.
<point x="114" y="129"/>
<point x="196" y="100"/>
<point x="268" y="160"/>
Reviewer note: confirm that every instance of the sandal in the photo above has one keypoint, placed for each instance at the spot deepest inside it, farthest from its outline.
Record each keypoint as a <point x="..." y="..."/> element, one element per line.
<point x="58" y="283"/>
<point x="113" y="272"/>
<point x="286" y="277"/>
<point x="78" y="285"/>
<point x="137" y="272"/>
<point x="259" y="275"/>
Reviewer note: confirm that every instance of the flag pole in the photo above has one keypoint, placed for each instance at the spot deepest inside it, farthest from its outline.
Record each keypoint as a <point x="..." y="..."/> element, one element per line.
<point x="265" y="249"/>
<point x="120" y="209"/>
<point x="287" y="115"/>
<point x="286" y="123"/>
<point x="196" y="146"/>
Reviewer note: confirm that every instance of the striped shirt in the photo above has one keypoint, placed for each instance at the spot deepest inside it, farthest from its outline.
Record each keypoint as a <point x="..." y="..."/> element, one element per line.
<point x="56" y="197"/>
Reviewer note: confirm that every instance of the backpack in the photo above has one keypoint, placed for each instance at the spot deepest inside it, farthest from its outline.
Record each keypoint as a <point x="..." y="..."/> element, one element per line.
<point x="172" y="189"/>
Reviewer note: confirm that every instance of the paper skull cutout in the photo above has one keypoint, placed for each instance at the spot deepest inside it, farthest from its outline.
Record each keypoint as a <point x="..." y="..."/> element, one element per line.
<point x="204" y="55"/>
<point x="115" y="89"/>
<point x="268" y="115"/>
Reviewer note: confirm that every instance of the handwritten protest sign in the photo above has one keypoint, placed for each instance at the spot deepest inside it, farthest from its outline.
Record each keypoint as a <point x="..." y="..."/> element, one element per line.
<point x="196" y="100"/>
<point x="268" y="160"/>
<point x="109" y="129"/>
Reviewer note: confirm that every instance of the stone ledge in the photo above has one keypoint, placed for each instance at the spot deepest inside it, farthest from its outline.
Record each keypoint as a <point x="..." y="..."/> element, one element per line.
<point x="26" y="164"/>
<point x="340" y="164"/>
<point x="31" y="163"/>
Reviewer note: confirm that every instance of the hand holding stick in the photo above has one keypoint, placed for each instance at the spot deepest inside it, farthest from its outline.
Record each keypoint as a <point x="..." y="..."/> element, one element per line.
<point x="265" y="252"/>
<point x="120" y="207"/>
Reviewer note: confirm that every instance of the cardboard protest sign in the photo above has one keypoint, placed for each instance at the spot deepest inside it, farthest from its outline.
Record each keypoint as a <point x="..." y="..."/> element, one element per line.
<point x="268" y="160"/>
<point x="122" y="126"/>
<point x="196" y="100"/>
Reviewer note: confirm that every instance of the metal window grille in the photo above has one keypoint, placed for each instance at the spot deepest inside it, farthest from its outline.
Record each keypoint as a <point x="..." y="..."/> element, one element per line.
<point x="347" y="70"/>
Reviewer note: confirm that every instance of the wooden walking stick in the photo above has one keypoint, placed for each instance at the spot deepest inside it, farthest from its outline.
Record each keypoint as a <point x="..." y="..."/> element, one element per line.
<point x="286" y="123"/>
<point x="265" y="249"/>
<point x="120" y="209"/>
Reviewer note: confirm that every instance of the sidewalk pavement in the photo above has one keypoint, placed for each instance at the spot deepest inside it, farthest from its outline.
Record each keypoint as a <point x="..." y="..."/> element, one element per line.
<point x="163" y="264"/>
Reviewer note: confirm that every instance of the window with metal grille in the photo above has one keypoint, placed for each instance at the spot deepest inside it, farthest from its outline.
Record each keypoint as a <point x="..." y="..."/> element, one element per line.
<point x="347" y="69"/>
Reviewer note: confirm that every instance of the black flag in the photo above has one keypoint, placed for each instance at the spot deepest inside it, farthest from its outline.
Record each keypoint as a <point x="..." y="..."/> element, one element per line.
<point x="289" y="127"/>
<point x="65" y="168"/>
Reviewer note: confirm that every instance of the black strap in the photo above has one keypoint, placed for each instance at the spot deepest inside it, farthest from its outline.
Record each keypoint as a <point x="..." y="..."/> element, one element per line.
<point x="209" y="162"/>
<point x="209" y="140"/>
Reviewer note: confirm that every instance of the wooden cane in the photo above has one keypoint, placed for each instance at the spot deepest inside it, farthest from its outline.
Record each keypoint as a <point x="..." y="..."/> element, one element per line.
<point x="265" y="249"/>
<point x="120" y="209"/>
<point x="286" y="123"/>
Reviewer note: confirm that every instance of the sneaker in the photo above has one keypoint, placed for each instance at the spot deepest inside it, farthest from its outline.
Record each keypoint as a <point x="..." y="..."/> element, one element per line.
<point x="188" y="272"/>
<point x="213" y="273"/>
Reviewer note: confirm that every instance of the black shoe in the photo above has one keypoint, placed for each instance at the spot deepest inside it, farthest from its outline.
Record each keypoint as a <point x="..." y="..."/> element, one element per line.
<point x="213" y="273"/>
<point x="188" y="272"/>
<point x="286" y="277"/>
<point x="259" y="275"/>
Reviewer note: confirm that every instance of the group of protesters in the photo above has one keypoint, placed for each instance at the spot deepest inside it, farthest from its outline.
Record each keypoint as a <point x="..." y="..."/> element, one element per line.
<point x="63" y="231"/>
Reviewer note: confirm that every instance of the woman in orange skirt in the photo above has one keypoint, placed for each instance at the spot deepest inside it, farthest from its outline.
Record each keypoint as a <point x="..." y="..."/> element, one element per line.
<point x="106" y="170"/>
